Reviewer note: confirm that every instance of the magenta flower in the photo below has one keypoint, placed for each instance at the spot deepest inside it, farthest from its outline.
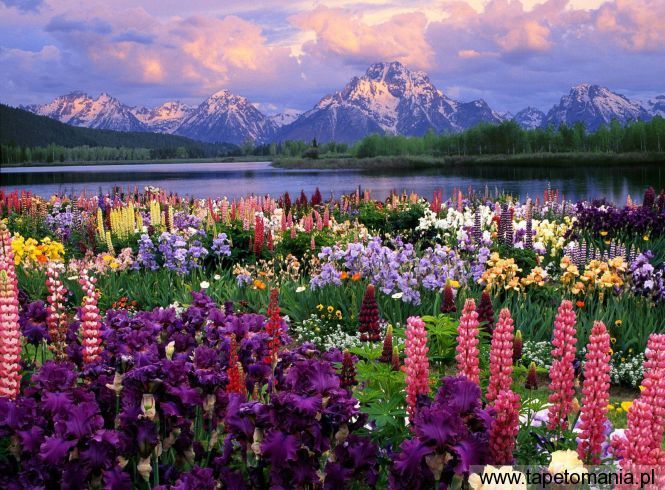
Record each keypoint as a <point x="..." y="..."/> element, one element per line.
<point x="501" y="356"/>
<point x="416" y="363"/>
<point x="654" y="384"/>
<point x="10" y="332"/>
<point x="91" y="338"/>
<point x="595" y="395"/>
<point x="55" y="311"/>
<point x="562" y="373"/>
<point x="467" y="342"/>
<point x="505" y="427"/>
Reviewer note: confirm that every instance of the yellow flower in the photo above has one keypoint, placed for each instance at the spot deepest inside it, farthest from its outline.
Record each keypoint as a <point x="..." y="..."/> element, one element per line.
<point x="626" y="405"/>
<point x="618" y="323"/>
<point x="645" y="238"/>
<point x="330" y="309"/>
<point x="610" y="407"/>
<point x="603" y="233"/>
<point x="613" y="340"/>
<point x="319" y="307"/>
<point x="619" y="410"/>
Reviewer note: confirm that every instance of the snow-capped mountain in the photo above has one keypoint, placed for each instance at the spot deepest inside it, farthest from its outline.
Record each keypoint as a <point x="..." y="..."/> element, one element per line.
<point x="594" y="105"/>
<point x="163" y="119"/>
<point x="656" y="106"/>
<point x="388" y="98"/>
<point x="284" y="118"/>
<point x="529" y="118"/>
<point x="225" y="117"/>
<point x="79" y="109"/>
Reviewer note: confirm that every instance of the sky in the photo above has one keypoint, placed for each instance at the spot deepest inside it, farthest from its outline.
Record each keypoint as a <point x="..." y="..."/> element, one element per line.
<point x="286" y="55"/>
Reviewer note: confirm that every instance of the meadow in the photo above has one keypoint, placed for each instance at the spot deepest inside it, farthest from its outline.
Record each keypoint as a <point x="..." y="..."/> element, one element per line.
<point x="151" y="340"/>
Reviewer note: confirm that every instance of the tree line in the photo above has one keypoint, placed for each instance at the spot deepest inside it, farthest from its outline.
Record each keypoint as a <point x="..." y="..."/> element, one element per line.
<point x="509" y="138"/>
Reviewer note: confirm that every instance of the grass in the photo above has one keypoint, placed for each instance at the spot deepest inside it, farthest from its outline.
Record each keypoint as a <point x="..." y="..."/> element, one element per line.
<point x="428" y="161"/>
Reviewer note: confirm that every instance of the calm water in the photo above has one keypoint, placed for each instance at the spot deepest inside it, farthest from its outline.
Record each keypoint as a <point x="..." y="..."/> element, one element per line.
<point x="239" y="179"/>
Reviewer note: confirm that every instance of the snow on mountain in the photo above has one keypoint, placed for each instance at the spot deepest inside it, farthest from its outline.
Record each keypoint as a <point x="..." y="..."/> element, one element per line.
<point x="387" y="99"/>
<point x="284" y="118"/>
<point x="529" y="118"/>
<point x="656" y="106"/>
<point x="79" y="109"/>
<point x="163" y="119"/>
<point x="225" y="117"/>
<point x="594" y="105"/>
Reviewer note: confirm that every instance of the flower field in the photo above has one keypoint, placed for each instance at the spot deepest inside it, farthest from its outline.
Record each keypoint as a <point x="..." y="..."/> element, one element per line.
<point x="150" y="340"/>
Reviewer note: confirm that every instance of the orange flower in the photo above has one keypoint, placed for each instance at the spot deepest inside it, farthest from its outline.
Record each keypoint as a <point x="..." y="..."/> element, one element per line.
<point x="356" y="276"/>
<point x="579" y="303"/>
<point x="344" y="275"/>
<point x="259" y="284"/>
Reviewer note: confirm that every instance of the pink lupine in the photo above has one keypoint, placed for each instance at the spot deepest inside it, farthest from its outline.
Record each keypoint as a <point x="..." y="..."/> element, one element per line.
<point x="505" y="427"/>
<point x="10" y="332"/>
<point x="595" y="395"/>
<point x="467" y="343"/>
<point x="55" y="310"/>
<point x="416" y="363"/>
<point x="501" y="356"/>
<point x="654" y="384"/>
<point x="90" y="328"/>
<point x="562" y="372"/>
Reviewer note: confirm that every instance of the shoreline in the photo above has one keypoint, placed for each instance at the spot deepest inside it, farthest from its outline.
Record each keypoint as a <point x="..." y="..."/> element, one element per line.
<point x="139" y="162"/>
<point x="537" y="160"/>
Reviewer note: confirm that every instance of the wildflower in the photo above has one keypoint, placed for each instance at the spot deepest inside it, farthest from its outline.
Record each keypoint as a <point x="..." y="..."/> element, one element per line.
<point x="356" y="277"/>
<point x="531" y="382"/>
<point x="330" y="309"/>
<point x="467" y="343"/>
<point x="387" y="352"/>
<point x="486" y="312"/>
<point x="300" y="289"/>
<point x="348" y="374"/>
<point x="91" y="338"/>
<point x="258" y="284"/>
<point x="562" y="372"/>
<point x="448" y="304"/>
<point x="205" y="284"/>
<point x="368" y="318"/>
<point x="505" y="427"/>
<point x="344" y="275"/>
<point x="397" y="295"/>
<point x="416" y="362"/>
<point x="319" y="307"/>
<point x="596" y="394"/>
<point x="618" y="323"/>
<point x="579" y="303"/>
<point x="216" y="277"/>
<point x="274" y="326"/>
<point x="566" y="462"/>
<point x="501" y="356"/>
<point x="626" y="405"/>
<point x="10" y="333"/>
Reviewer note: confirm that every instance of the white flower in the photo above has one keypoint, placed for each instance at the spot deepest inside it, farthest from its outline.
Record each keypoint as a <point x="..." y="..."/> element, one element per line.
<point x="216" y="277"/>
<point x="300" y="289"/>
<point x="397" y="295"/>
<point x="205" y="284"/>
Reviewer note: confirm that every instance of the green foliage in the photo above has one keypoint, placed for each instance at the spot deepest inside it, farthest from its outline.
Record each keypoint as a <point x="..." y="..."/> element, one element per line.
<point x="508" y="138"/>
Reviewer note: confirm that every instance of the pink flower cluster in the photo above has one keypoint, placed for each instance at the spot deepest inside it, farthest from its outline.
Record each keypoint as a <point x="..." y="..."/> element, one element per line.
<point x="641" y="446"/>
<point x="10" y="333"/>
<point x="562" y="373"/>
<point x="467" y="343"/>
<point x="90" y="319"/>
<point x="55" y="310"/>
<point x="416" y="363"/>
<point x="505" y="427"/>
<point x="595" y="395"/>
<point x="501" y="356"/>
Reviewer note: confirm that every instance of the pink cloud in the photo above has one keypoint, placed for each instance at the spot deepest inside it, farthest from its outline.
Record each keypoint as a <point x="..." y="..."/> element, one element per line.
<point x="637" y="25"/>
<point x="341" y="33"/>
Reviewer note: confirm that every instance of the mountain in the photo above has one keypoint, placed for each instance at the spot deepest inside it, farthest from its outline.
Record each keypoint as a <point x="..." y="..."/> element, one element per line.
<point x="656" y="106"/>
<point x="79" y="109"/>
<point x="390" y="99"/>
<point x="227" y="117"/>
<point x="284" y="118"/>
<point x="529" y="118"/>
<point x="163" y="119"/>
<point x="23" y="128"/>
<point x="594" y="105"/>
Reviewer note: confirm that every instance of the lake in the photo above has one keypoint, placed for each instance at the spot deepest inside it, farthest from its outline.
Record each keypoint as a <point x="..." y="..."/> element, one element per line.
<point x="239" y="179"/>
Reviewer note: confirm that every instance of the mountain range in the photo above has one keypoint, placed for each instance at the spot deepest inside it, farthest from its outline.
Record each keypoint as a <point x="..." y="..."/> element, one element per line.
<point x="388" y="99"/>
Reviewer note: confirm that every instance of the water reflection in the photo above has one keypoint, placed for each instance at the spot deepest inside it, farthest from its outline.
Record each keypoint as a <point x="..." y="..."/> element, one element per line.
<point x="238" y="179"/>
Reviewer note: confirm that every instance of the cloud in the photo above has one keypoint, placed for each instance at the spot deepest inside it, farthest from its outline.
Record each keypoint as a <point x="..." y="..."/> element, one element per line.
<point x="342" y="34"/>
<point x="636" y="25"/>
<point x="24" y="5"/>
